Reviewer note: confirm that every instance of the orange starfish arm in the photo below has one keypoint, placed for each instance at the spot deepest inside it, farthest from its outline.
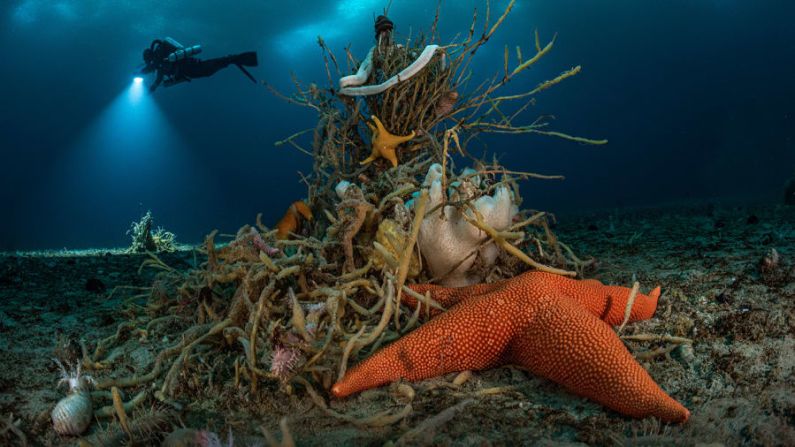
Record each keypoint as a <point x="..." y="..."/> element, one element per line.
<point x="301" y="208"/>
<point x="379" y="126"/>
<point x="448" y="343"/>
<point x="373" y="129"/>
<point x="567" y="344"/>
<point x="388" y="138"/>
<point x="286" y="225"/>
<point x="291" y="219"/>
<point x="369" y="159"/>
<point x="608" y="303"/>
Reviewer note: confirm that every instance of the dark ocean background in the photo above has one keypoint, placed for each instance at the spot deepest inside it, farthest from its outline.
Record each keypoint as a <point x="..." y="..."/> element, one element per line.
<point x="697" y="98"/>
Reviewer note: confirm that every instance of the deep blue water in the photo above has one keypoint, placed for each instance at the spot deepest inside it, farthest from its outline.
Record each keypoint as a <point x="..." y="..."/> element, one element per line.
<point x="696" y="97"/>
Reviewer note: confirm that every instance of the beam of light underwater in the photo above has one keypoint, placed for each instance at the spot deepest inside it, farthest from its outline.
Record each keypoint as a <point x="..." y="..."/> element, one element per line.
<point x="129" y="160"/>
<point x="137" y="90"/>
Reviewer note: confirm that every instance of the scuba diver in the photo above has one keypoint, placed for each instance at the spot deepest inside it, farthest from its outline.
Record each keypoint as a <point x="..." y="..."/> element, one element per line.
<point x="175" y="63"/>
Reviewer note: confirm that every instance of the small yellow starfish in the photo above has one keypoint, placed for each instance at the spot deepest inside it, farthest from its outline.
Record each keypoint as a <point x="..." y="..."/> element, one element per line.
<point x="384" y="143"/>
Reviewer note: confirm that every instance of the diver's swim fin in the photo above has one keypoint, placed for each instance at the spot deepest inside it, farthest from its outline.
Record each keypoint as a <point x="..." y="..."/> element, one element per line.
<point x="245" y="72"/>
<point x="247" y="59"/>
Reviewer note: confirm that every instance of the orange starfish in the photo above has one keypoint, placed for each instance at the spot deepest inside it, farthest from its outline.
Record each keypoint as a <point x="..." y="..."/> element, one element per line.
<point x="384" y="143"/>
<point x="545" y="323"/>
<point x="289" y="222"/>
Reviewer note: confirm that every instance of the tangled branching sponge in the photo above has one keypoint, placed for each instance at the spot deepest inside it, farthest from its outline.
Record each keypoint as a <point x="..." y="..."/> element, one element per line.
<point x="146" y="238"/>
<point x="450" y="244"/>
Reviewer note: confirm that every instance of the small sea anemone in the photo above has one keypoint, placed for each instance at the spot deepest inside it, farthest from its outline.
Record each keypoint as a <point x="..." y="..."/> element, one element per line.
<point x="284" y="360"/>
<point x="76" y="381"/>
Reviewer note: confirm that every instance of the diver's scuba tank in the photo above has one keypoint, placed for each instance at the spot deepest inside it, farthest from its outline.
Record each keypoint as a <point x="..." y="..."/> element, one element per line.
<point x="184" y="53"/>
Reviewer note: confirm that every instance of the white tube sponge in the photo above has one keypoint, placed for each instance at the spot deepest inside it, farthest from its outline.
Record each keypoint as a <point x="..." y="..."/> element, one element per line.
<point x="361" y="74"/>
<point x="446" y="241"/>
<point x="348" y="83"/>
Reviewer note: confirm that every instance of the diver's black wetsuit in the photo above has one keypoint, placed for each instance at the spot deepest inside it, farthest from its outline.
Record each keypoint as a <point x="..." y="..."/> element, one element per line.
<point x="171" y="73"/>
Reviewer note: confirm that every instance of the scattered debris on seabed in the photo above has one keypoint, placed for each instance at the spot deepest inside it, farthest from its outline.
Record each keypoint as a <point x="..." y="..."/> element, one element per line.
<point x="734" y="376"/>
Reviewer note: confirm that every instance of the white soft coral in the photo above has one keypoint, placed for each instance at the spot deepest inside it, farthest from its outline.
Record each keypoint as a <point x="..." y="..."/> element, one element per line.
<point x="448" y="242"/>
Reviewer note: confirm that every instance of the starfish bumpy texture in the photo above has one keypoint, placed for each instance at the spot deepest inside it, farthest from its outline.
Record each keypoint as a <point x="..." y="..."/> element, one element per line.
<point x="555" y="327"/>
<point x="384" y="143"/>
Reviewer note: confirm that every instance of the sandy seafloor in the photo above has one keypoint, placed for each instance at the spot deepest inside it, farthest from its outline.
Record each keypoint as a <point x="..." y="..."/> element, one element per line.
<point x="738" y="381"/>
